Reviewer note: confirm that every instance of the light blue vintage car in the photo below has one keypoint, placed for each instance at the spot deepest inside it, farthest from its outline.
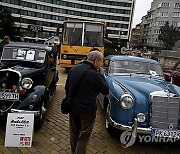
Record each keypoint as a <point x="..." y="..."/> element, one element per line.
<point x="140" y="99"/>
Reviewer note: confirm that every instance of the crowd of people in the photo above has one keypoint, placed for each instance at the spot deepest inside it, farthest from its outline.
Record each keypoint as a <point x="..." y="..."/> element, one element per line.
<point x="151" y="54"/>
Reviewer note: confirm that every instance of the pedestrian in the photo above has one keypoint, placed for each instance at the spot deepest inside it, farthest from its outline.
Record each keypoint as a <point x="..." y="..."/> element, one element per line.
<point x="5" y="41"/>
<point x="21" y="39"/>
<point x="83" y="112"/>
<point x="59" y="52"/>
<point x="139" y="54"/>
<point x="154" y="56"/>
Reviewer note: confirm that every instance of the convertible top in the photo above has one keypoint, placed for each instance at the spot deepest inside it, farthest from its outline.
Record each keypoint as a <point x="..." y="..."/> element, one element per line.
<point x="130" y="58"/>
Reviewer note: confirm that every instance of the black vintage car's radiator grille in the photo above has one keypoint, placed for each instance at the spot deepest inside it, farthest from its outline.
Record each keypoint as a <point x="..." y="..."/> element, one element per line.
<point x="165" y="112"/>
<point x="8" y="78"/>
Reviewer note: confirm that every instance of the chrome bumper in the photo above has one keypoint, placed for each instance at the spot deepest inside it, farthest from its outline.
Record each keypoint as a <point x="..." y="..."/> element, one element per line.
<point x="130" y="128"/>
<point x="36" y="113"/>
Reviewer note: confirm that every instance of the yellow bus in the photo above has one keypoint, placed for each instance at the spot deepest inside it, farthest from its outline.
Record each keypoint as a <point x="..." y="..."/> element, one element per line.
<point x="78" y="38"/>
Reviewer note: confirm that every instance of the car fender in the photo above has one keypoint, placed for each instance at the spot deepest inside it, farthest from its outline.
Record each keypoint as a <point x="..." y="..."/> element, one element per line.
<point x="35" y="98"/>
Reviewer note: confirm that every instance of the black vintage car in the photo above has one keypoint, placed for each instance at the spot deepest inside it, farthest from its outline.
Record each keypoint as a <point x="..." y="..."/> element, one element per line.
<point x="28" y="78"/>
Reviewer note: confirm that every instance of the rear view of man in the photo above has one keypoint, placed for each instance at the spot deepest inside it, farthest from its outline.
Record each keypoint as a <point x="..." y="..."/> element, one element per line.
<point x="5" y="41"/>
<point x="83" y="112"/>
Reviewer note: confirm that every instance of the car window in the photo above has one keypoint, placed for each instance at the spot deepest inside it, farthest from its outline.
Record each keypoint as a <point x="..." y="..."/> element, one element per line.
<point x="27" y="54"/>
<point x="138" y="67"/>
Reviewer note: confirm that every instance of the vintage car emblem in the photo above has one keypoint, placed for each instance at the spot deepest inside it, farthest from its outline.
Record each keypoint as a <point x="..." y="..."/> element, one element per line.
<point x="170" y="126"/>
<point x="75" y="50"/>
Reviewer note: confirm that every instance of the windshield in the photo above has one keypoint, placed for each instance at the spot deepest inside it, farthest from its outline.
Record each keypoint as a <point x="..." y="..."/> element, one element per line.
<point x="24" y="54"/>
<point x="93" y="35"/>
<point x="137" y="67"/>
<point x="83" y="34"/>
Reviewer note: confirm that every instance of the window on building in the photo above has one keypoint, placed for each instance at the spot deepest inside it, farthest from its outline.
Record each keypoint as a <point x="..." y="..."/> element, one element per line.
<point x="165" y="4"/>
<point x="161" y="23"/>
<point x="176" y="24"/>
<point x="177" y="5"/>
<point x="163" y="14"/>
<point x="176" y="14"/>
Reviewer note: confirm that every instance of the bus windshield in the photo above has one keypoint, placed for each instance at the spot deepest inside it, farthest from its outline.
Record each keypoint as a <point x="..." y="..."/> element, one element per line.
<point x="83" y="34"/>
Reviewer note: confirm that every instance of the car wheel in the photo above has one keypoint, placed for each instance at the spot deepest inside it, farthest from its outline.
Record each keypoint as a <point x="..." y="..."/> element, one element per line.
<point x="40" y="119"/>
<point x="52" y="87"/>
<point x="109" y="128"/>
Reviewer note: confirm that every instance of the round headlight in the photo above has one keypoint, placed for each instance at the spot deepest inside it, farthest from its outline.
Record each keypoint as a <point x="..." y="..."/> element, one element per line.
<point x="65" y="56"/>
<point x="26" y="83"/>
<point x="141" y="117"/>
<point x="126" y="101"/>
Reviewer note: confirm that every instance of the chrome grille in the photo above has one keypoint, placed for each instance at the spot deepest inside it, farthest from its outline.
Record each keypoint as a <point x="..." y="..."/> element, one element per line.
<point x="165" y="112"/>
<point x="8" y="78"/>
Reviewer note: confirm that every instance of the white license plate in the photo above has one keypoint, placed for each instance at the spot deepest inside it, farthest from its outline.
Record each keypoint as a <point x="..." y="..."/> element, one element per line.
<point x="11" y="96"/>
<point x="166" y="133"/>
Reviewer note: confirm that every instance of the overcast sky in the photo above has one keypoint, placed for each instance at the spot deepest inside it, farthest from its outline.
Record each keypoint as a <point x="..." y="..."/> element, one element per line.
<point x="141" y="8"/>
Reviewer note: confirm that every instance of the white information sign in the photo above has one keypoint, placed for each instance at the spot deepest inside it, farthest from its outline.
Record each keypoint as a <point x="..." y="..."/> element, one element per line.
<point x="19" y="130"/>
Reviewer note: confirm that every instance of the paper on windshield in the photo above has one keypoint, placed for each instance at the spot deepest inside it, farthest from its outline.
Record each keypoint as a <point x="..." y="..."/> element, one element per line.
<point x="30" y="55"/>
<point x="21" y="54"/>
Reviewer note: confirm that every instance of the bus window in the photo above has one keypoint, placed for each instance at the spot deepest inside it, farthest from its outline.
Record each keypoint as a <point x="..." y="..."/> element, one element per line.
<point x="75" y="33"/>
<point x="93" y="35"/>
<point x="65" y="37"/>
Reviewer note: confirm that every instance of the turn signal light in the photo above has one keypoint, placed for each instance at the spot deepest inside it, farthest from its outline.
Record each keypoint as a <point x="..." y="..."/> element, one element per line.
<point x="14" y="87"/>
<point x="21" y="92"/>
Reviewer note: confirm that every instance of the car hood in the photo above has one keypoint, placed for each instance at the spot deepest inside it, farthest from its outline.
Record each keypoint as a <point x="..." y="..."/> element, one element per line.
<point x="143" y="85"/>
<point x="25" y="70"/>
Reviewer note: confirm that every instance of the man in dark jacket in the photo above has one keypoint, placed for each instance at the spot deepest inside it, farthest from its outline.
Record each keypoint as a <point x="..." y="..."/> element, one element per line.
<point x="83" y="113"/>
<point x="5" y="41"/>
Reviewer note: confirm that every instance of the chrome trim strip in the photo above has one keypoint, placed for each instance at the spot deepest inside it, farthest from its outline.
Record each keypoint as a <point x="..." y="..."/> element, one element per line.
<point x="113" y="95"/>
<point x="36" y="113"/>
<point x="9" y="69"/>
<point x="124" y="127"/>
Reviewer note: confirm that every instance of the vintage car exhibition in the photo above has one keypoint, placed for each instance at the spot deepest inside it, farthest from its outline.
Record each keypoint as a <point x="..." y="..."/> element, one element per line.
<point x="140" y="99"/>
<point x="89" y="76"/>
<point x="28" y="78"/>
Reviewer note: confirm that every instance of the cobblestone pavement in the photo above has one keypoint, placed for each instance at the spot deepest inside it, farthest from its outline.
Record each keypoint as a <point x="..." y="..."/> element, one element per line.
<point x="53" y="138"/>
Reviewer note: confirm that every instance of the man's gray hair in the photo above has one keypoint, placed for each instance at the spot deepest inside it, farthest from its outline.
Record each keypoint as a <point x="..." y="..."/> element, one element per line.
<point x="94" y="55"/>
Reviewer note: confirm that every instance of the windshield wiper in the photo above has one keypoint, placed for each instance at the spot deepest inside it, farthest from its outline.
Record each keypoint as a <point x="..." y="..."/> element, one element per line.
<point x="142" y="73"/>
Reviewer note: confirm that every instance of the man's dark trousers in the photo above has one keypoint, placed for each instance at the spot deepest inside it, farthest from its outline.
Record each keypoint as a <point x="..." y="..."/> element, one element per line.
<point x="81" y="126"/>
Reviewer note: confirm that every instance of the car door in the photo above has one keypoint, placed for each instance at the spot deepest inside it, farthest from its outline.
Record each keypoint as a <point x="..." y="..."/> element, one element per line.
<point x="51" y="68"/>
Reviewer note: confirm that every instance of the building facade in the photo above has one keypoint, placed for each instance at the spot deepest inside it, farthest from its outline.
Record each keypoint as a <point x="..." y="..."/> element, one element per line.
<point x="135" y="40"/>
<point x="160" y="12"/>
<point x="42" y="18"/>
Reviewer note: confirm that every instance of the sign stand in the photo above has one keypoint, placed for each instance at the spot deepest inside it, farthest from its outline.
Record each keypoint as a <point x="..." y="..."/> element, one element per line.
<point x="19" y="130"/>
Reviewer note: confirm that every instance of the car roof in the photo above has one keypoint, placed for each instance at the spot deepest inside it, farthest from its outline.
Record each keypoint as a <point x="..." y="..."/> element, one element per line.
<point x="130" y="58"/>
<point x="28" y="45"/>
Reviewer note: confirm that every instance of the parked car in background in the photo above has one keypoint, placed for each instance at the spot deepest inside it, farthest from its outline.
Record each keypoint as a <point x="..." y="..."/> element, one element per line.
<point x="140" y="99"/>
<point x="28" y="78"/>
<point x="174" y="74"/>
